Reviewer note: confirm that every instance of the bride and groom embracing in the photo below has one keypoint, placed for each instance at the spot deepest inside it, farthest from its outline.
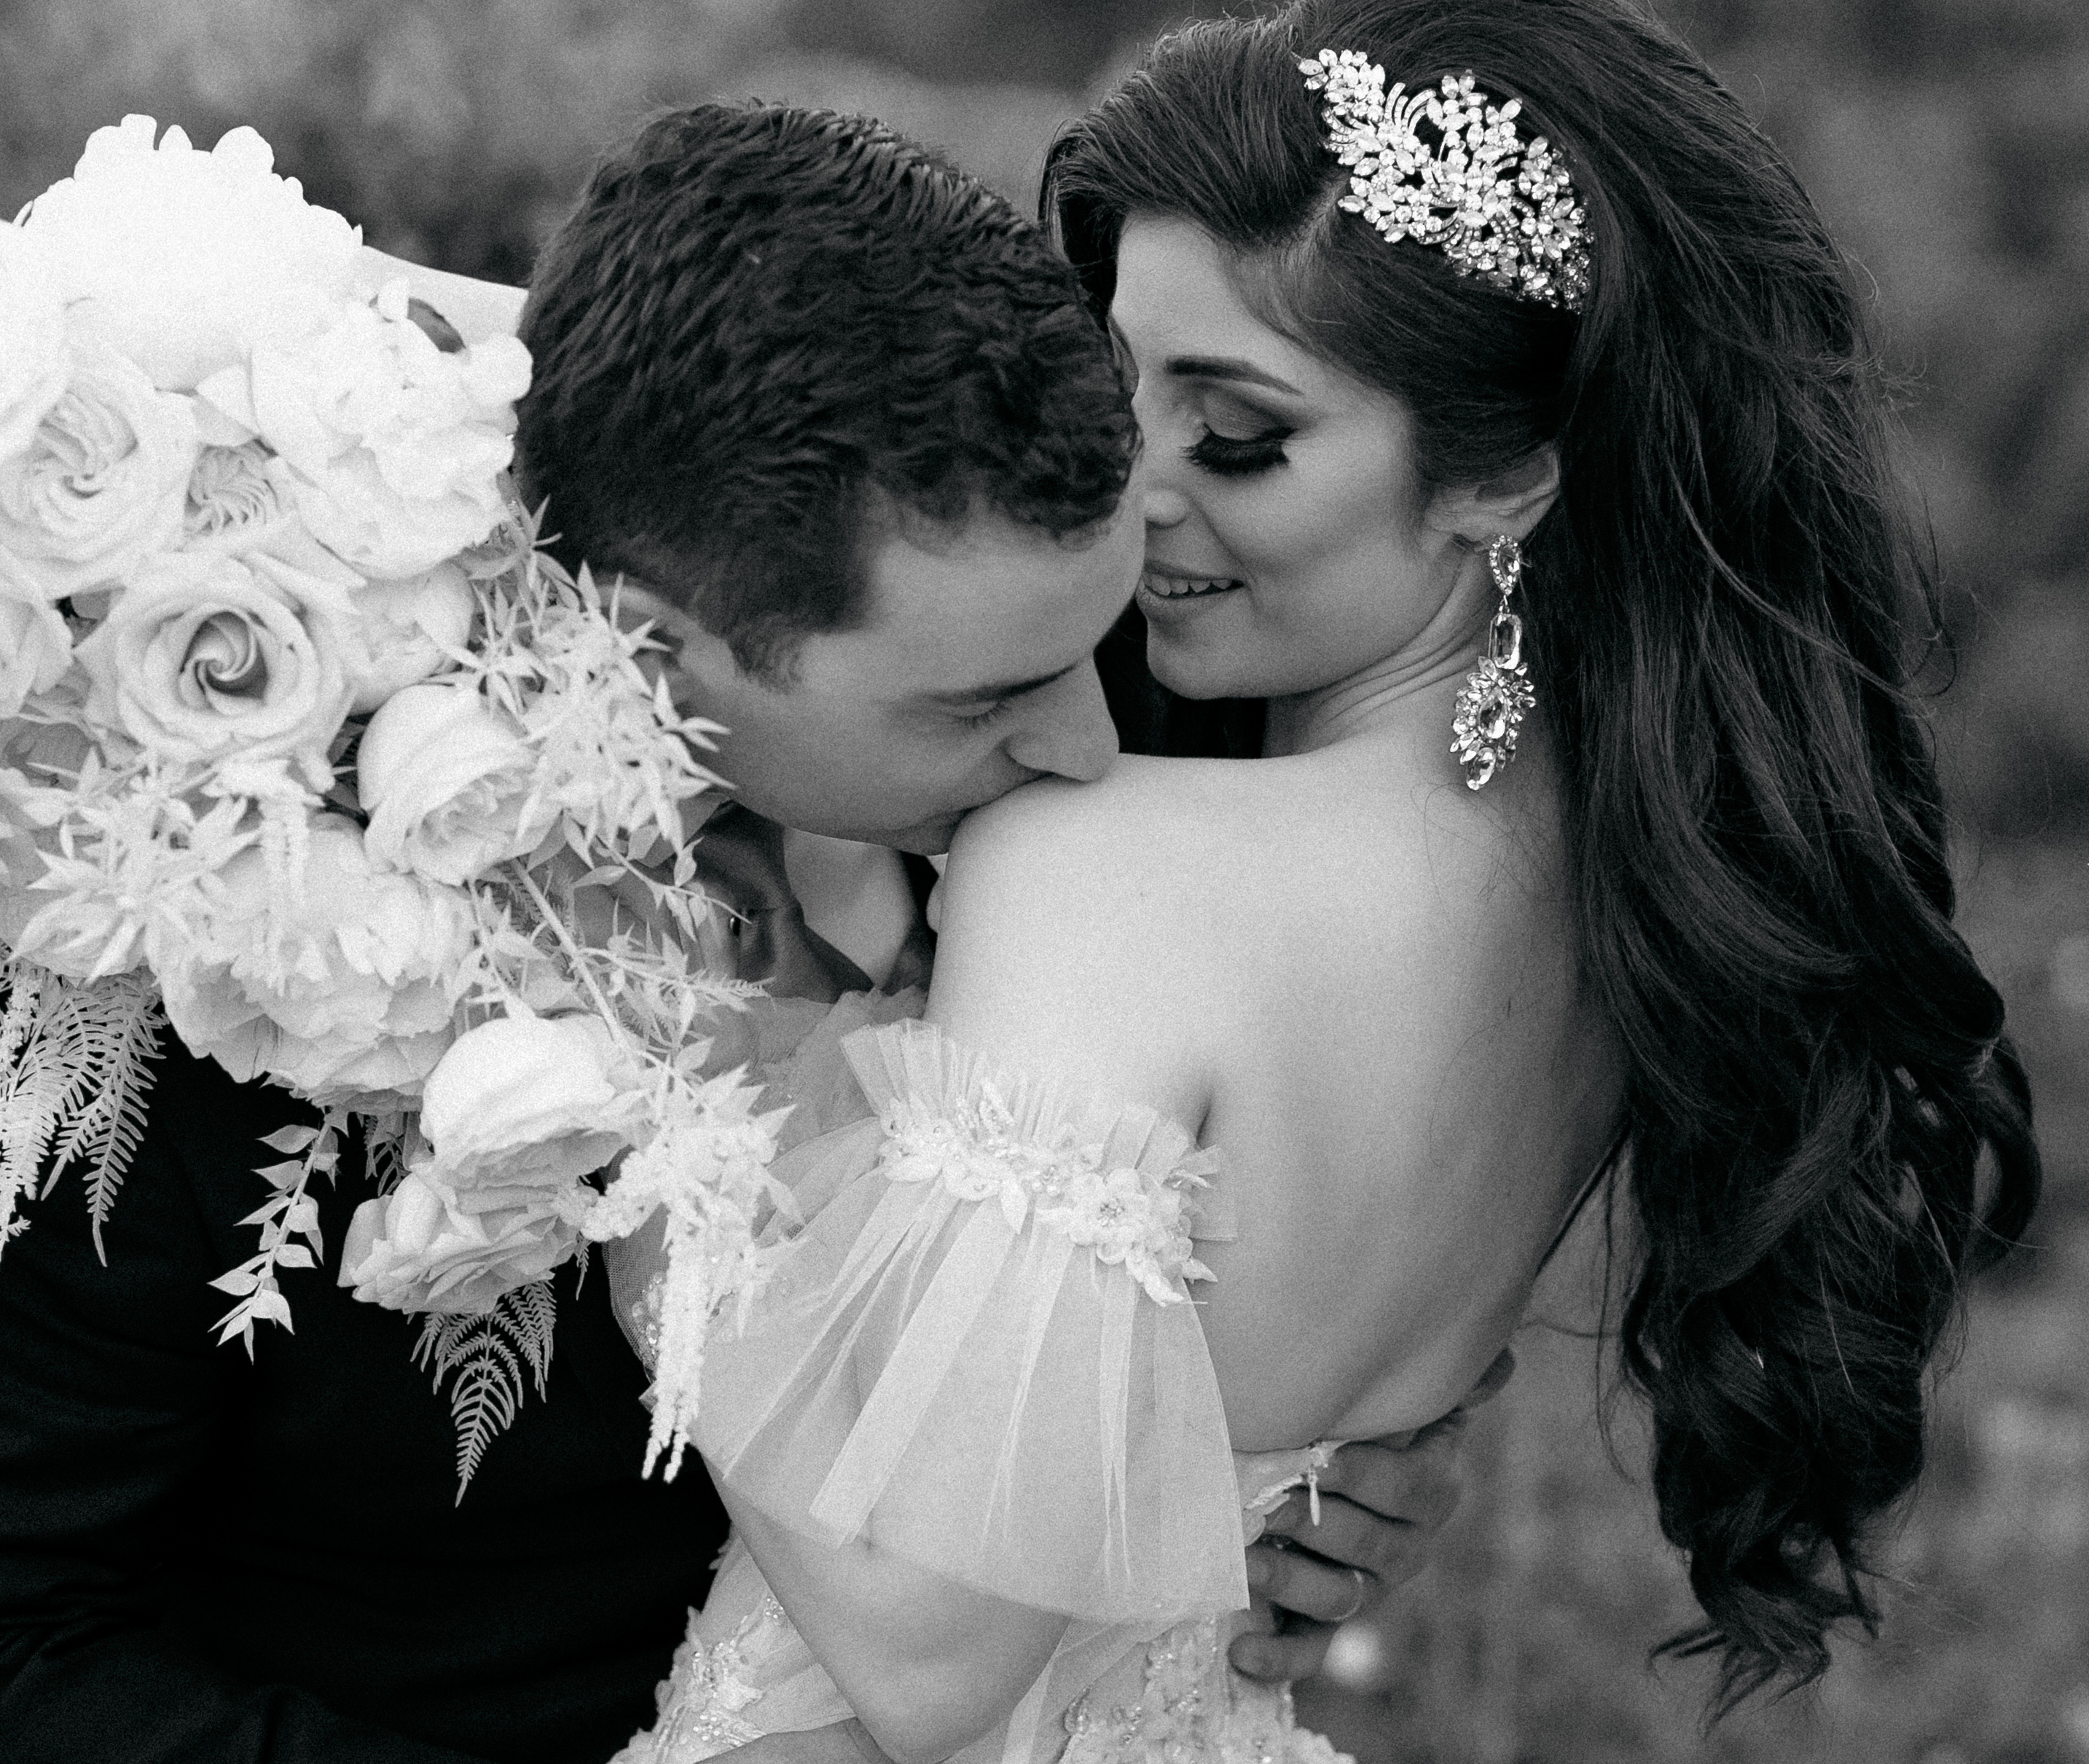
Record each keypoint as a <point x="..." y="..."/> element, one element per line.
<point x="1317" y="1036"/>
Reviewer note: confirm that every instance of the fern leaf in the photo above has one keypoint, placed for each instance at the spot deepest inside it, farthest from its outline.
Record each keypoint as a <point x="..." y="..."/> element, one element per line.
<point x="483" y="1401"/>
<point x="74" y="1069"/>
<point x="527" y="1316"/>
<point x="441" y="1340"/>
<point x="121" y="1108"/>
<point x="484" y="1358"/>
<point x="384" y="1150"/>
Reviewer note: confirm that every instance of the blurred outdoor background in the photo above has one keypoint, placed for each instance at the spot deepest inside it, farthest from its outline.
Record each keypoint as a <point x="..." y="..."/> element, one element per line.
<point x="1947" y="141"/>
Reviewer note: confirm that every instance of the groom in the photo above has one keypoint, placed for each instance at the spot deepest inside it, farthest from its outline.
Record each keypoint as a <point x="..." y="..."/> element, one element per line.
<point x="842" y="416"/>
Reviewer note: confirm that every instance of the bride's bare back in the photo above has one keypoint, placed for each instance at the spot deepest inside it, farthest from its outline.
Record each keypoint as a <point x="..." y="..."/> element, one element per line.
<point x="1354" y="979"/>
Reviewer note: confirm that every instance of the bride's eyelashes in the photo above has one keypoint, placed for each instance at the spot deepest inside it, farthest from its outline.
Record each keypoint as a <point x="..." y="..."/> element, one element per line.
<point x="1229" y="456"/>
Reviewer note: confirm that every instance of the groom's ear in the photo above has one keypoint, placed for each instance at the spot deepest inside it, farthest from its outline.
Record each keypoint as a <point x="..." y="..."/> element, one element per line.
<point x="697" y="662"/>
<point x="1513" y="502"/>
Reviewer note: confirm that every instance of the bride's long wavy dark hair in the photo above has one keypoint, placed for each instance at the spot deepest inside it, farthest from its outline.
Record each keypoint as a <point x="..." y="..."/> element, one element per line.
<point x="1725" y="610"/>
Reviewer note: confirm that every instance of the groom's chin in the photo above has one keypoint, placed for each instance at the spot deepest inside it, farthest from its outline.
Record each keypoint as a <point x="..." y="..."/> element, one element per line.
<point x="931" y="839"/>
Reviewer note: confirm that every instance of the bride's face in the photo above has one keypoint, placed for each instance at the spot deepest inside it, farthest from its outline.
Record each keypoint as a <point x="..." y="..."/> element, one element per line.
<point x="1290" y="544"/>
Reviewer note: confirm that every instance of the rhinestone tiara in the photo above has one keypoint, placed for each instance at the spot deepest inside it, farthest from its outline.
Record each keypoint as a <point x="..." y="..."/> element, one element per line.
<point x="1500" y="208"/>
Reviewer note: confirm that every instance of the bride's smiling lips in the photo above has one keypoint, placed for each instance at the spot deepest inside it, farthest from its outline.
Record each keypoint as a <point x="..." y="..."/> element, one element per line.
<point x="1163" y="586"/>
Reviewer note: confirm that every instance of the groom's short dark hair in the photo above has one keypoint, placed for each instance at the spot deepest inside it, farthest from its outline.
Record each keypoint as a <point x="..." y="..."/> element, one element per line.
<point x="763" y="326"/>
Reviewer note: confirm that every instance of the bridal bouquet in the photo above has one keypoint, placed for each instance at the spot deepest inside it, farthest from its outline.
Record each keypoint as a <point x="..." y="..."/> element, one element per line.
<point x="307" y="750"/>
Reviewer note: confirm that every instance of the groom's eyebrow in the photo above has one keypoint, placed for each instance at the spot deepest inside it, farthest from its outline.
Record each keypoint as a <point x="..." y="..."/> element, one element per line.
<point x="1012" y="689"/>
<point x="1227" y="367"/>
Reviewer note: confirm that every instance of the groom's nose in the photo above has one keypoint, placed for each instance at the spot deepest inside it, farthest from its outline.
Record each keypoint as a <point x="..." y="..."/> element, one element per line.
<point x="1067" y="731"/>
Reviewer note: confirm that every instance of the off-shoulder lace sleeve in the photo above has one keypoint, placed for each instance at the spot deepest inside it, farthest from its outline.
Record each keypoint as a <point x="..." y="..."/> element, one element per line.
<point x="980" y="1352"/>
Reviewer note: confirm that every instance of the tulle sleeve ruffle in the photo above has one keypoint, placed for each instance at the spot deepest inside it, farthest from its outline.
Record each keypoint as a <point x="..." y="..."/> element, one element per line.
<point x="980" y="1351"/>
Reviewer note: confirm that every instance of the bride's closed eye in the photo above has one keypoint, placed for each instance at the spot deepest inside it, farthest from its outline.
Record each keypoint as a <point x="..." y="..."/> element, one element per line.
<point x="1229" y="456"/>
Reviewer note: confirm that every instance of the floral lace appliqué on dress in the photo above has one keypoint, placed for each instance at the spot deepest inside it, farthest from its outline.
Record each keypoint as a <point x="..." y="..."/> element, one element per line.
<point x="975" y="1147"/>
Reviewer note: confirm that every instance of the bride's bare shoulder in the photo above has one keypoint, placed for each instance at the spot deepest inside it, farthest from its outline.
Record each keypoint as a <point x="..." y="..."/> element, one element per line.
<point x="1154" y="805"/>
<point x="1157" y="836"/>
<point x="1073" y="930"/>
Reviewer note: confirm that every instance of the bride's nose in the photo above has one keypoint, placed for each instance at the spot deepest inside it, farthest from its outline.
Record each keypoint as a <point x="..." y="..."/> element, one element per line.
<point x="1163" y="507"/>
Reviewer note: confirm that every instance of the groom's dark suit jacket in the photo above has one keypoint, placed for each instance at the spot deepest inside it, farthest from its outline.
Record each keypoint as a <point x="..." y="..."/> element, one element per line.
<point x="226" y="1562"/>
<point x="204" y="1559"/>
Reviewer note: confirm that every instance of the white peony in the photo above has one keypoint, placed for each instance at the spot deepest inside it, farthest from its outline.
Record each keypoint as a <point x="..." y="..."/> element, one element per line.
<point x="102" y="484"/>
<point x="191" y="258"/>
<point x="429" y="1246"/>
<point x="525" y="1099"/>
<point x="406" y="630"/>
<point x="341" y="982"/>
<point x="37" y="361"/>
<point x="445" y="779"/>
<point x="514" y="1113"/>
<point x="203" y="658"/>
<point x="35" y="646"/>
<point x="392" y="450"/>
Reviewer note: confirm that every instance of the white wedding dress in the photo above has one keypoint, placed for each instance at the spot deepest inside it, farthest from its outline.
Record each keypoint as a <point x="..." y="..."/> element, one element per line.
<point x="981" y="1342"/>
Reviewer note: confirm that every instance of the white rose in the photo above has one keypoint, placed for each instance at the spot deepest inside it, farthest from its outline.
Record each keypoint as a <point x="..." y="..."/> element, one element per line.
<point x="35" y="646"/>
<point x="237" y="503"/>
<point x="102" y="483"/>
<point x="191" y="259"/>
<point x="524" y="1101"/>
<point x="345" y="991"/>
<point x="392" y="450"/>
<point x="408" y="630"/>
<point x="204" y="657"/>
<point x="234" y="503"/>
<point x="445" y="779"/>
<point x="427" y="1246"/>
<point x="38" y="362"/>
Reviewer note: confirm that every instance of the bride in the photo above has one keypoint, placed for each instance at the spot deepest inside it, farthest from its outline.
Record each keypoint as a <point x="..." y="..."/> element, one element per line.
<point x="1330" y="1040"/>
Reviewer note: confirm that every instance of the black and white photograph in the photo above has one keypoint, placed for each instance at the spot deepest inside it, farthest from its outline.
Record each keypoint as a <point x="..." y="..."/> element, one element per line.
<point x="1044" y="882"/>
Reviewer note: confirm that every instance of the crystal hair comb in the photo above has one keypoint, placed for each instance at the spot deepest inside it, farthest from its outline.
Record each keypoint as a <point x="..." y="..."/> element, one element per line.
<point x="1500" y="208"/>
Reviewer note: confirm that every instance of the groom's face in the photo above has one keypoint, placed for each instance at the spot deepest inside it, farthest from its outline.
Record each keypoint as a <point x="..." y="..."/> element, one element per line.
<point x="972" y="673"/>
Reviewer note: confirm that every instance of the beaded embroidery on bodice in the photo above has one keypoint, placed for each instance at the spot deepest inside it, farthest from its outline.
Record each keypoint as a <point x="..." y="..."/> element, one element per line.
<point x="1175" y="1700"/>
<point x="1193" y="1706"/>
<point x="1189" y="1707"/>
<point x="707" y="1690"/>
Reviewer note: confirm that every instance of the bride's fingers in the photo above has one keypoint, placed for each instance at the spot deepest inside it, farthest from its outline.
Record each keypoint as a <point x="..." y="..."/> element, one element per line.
<point x="1386" y="1551"/>
<point x="1304" y="1585"/>
<point x="1417" y="1483"/>
<point x="1279" y="1659"/>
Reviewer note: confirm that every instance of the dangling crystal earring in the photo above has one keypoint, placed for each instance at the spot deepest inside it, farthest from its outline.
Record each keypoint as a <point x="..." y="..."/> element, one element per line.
<point x="1496" y="693"/>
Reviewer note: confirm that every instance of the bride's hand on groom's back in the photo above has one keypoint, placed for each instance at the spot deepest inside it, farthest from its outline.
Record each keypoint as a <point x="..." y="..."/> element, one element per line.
<point x="1382" y="1503"/>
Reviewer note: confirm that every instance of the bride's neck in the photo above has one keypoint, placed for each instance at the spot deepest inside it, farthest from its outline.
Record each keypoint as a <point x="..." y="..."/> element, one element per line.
<point x="1387" y="694"/>
<point x="1414" y="682"/>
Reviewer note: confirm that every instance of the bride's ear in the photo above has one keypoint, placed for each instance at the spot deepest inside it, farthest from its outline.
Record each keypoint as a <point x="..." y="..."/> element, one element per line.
<point x="1513" y="503"/>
